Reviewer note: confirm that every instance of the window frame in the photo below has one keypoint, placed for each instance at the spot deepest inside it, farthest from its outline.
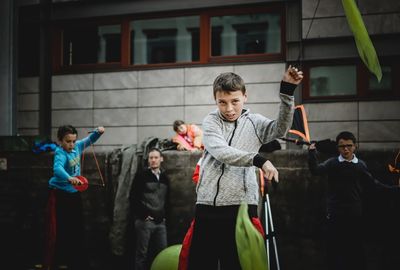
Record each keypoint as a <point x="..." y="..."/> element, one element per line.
<point x="362" y="81"/>
<point x="205" y="56"/>
<point x="58" y="49"/>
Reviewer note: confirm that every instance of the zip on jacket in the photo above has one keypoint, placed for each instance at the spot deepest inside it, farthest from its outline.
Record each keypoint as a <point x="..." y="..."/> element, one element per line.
<point x="223" y="165"/>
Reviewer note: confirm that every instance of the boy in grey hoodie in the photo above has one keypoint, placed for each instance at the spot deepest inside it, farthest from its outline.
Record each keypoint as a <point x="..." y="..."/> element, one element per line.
<point x="232" y="137"/>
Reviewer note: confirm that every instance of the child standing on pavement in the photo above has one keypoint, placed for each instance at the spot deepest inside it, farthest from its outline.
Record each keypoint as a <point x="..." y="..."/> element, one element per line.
<point x="232" y="136"/>
<point x="348" y="180"/>
<point x="65" y="221"/>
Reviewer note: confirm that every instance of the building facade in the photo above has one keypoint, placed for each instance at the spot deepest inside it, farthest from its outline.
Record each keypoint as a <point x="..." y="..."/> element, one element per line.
<point x="136" y="66"/>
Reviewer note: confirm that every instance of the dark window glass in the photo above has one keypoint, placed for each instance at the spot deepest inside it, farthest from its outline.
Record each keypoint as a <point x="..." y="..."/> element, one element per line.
<point x="92" y="44"/>
<point x="245" y="34"/>
<point x="386" y="82"/>
<point x="166" y="40"/>
<point x="216" y="40"/>
<point x="161" y="46"/>
<point x="333" y="81"/>
<point x="195" y="34"/>
<point x="250" y="38"/>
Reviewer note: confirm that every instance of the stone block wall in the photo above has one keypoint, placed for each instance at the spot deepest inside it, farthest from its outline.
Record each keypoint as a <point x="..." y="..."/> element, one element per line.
<point x="297" y="206"/>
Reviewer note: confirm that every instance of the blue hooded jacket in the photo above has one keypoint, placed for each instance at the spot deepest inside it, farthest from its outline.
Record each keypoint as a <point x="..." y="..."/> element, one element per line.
<point x="67" y="164"/>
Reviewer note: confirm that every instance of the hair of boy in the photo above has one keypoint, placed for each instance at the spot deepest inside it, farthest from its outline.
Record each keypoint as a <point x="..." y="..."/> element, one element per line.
<point x="177" y="123"/>
<point x="65" y="130"/>
<point x="228" y="82"/>
<point x="155" y="149"/>
<point x="346" y="135"/>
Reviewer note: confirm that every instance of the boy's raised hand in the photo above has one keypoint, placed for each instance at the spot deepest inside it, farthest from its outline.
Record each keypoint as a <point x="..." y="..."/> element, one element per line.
<point x="270" y="172"/>
<point x="101" y="130"/>
<point x="312" y="147"/>
<point x="293" y="75"/>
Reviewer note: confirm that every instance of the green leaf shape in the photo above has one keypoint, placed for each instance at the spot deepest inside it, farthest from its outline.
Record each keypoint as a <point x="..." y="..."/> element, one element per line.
<point x="250" y="243"/>
<point x="364" y="44"/>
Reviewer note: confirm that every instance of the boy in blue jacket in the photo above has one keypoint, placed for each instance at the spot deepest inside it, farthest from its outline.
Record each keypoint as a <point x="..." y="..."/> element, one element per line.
<point x="65" y="225"/>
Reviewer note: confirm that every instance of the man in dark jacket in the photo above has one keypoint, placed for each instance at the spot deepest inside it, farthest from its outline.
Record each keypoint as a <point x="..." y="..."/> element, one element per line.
<point x="149" y="198"/>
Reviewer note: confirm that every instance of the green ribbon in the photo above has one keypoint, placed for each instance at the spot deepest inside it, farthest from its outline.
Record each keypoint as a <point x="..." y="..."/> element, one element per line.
<point x="364" y="44"/>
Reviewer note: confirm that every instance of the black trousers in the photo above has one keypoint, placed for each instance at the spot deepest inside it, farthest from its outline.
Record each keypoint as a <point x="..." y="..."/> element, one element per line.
<point x="345" y="243"/>
<point x="213" y="241"/>
<point x="70" y="231"/>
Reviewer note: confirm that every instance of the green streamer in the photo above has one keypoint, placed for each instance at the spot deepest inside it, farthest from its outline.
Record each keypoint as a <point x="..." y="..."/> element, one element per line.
<point x="364" y="44"/>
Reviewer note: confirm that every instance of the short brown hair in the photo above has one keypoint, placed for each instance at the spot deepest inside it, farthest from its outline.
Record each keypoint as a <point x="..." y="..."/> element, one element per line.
<point x="346" y="135"/>
<point x="65" y="130"/>
<point x="228" y="82"/>
<point x="177" y="123"/>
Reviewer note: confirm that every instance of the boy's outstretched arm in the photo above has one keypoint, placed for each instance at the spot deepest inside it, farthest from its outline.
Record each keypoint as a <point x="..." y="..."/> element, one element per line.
<point x="269" y="130"/>
<point x="92" y="138"/>
<point x="372" y="182"/>
<point x="101" y="130"/>
<point x="315" y="168"/>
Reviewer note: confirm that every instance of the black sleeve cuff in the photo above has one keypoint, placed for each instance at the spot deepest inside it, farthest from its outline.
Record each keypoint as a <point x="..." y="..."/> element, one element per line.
<point x="259" y="161"/>
<point x="287" y="88"/>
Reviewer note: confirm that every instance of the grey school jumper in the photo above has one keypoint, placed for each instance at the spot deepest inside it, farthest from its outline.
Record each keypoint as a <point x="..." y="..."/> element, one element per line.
<point x="227" y="172"/>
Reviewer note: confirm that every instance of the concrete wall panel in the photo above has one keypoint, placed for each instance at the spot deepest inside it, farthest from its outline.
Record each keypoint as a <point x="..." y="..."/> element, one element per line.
<point x="72" y="82"/>
<point x="380" y="131"/>
<point x="28" y="85"/>
<point x="326" y="28"/>
<point x="340" y="111"/>
<point x="72" y="100"/>
<point x="263" y="92"/>
<point x="380" y="110"/>
<point x="260" y="73"/>
<point x="160" y="97"/>
<point x="162" y="132"/>
<point x="28" y="102"/>
<point x="196" y="114"/>
<point x="158" y="116"/>
<point x="196" y="95"/>
<point x="77" y="118"/>
<point x="116" y="80"/>
<point x="119" y="136"/>
<point x="204" y="75"/>
<point x="116" y="98"/>
<point x="381" y="6"/>
<point x="161" y="78"/>
<point x="116" y="117"/>
<point x="268" y="110"/>
<point x="28" y="120"/>
<point x="329" y="130"/>
<point x="325" y="8"/>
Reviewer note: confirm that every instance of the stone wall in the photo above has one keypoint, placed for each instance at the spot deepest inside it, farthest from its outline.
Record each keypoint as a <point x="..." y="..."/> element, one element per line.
<point x="297" y="207"/>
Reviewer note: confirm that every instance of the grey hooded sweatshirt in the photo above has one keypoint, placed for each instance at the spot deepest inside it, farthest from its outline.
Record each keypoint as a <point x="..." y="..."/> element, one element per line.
<point x="227" y="172"/>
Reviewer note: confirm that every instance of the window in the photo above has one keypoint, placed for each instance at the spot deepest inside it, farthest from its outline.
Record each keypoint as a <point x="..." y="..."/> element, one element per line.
<point x="219" y="35"/>
<point x="91" y="44"/>
<point x="333" y="81"/>
<point x="385" y="84"/>
<point x="245" y="34"/>
<point x="167" y="40"/>
<point x="349" y="81"/>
